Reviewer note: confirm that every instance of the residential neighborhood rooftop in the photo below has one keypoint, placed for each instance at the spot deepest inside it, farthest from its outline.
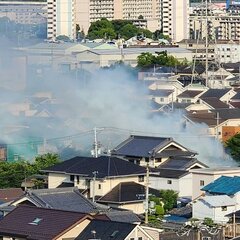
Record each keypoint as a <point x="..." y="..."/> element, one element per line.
<point x="128" y="192"/>
<point x="38" y="223"/>
<point x="100" y="229"/>
<point x="106" y="166"/>
<point x="223" y="185"/>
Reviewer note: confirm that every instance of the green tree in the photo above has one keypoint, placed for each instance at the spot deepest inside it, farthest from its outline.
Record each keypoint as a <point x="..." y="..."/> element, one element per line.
<point x="169" y="199"/>
<point x="128" y="31"/>
<point x="233" y="145"/>
<point x="100" y="29"/>
<point x="44" y="161"/>
<point x="118" y="24"/>
<point x="159" y="210"/>
<point x="145" y="60"/>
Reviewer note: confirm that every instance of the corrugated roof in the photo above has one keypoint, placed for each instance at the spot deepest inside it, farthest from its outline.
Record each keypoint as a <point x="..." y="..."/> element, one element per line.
<point x="218" y="200"/>
<point x="224" y="185"/>
<point x="128" y="51"/>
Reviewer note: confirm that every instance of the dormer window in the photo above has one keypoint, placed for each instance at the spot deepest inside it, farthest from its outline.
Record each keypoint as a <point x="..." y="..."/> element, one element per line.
<point x="36" y="221"/>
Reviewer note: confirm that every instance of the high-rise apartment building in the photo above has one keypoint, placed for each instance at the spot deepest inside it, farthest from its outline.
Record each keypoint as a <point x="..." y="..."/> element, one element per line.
<point x="222" y="24"/>
<point x="63" y="15"/>
<point x="61" y="19"/>
<point x="175" y="19"/>
<point x="170" y="15"/>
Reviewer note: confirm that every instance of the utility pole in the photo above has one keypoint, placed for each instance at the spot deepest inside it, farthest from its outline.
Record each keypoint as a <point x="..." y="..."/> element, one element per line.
<point x="217" y="125"/>
<point x="94" y="183"/>
<point x="147" y="194"/>
<point x="95" y="144"/>
<point x="206" y="41"/>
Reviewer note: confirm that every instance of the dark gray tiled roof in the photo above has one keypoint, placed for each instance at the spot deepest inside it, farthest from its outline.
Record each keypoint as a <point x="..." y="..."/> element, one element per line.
<point x="215" y="103"/>
<point x="106" y="166"/>
<point x="236" y="97"/>
<point x="53" y="222"/>
<point x="161" y="93"/>
<point x="179" y="163"/>
<point x="217" y="93"/>
<point x="169" y="173"/>
<point x="189" y="94"/>
<point x="69" y="199"/>
<point x="140" y="146"/>
<point x="123" y="216"/>
<point x="106" y="230"/>
<point x="128" y="192"/>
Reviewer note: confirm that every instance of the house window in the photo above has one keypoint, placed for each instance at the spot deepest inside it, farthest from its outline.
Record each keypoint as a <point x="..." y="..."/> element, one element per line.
<point x="206" y="238"/>
<point x="77" y="179"/>
<point x="161" y="99"/>
<point x="224" y="208"/>
<point x="169" y="181"/>
<point x="140" y="178"/>
<point x="99" y="186"/>
<point x="140" y="238"/>
<point x="72" y="178"/>
<point x="202" y="183"/>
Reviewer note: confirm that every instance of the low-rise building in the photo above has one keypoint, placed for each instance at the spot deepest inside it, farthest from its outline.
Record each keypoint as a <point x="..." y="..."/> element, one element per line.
<point x="202" y="177"/>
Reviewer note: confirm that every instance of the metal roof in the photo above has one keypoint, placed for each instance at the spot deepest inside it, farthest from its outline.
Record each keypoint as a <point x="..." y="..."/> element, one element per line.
<point x="218" y="200"/>
<point x="128" y="51"/>
<point x="224" y="185"/>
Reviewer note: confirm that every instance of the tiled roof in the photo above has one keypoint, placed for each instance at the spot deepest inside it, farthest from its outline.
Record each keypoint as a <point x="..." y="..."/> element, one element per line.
<point x="169" y="173"/>
<point x="189" y="94"/>
<point x="19" y="223"/>
<point x="127" y="192"/>
<point x="215" y="103"/>
<point x="224" y="185"/>
<point x="140" y="146"/>
<point x="69" y="199"/>
<point x="123" y="216"/>
<point x="217" y="93"/>
<point x="10" y="194"/>
<point x="161" y="93"/>
<point x="106" y="166"/>
<point x="236" y="96"/>
<point x="218" y="200"/>
<point x="100" y="229"/>
<point x="180" y="163"/>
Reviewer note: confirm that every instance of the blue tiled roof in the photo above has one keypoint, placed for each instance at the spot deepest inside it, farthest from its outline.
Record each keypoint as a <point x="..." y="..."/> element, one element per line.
<point x="224" y="185"/>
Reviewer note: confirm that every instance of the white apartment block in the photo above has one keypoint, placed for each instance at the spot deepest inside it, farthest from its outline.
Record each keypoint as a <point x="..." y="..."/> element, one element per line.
<point x="222" y="24"/>
<point x="63" y="15"/>
<point x="228" y="52"/>
<point x="24" y="12"/>
<point x="175" y="19"/>
<point x="61" y="19"/>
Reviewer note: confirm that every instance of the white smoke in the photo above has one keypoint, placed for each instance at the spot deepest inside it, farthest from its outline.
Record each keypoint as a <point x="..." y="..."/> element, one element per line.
<point x="110" y="99"/>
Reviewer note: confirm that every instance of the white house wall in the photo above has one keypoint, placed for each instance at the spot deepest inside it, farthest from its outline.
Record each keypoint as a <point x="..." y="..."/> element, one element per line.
<point x="55" y="179"/>
<point x="162" y="183"/>
<point x="202" y="210"/>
